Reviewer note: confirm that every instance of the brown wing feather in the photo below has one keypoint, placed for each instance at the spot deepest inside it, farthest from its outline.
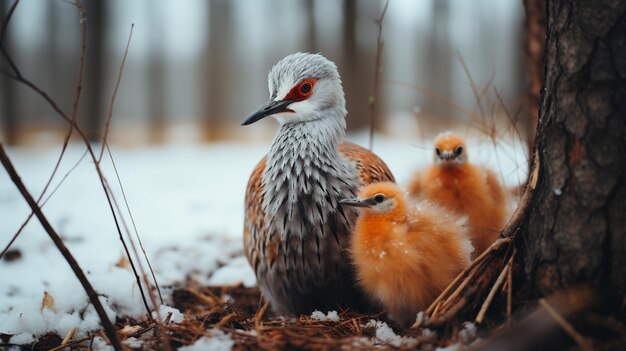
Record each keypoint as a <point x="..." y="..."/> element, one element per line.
<point x="371" y="168"/>
<point x="254" y="216"/>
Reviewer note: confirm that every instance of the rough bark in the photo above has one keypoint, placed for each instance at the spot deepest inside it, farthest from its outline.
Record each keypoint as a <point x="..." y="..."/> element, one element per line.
<point x="575" y="225"/>
<point x="535" y="40"/>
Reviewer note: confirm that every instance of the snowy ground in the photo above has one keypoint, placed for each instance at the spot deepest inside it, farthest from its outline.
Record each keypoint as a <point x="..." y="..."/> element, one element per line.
<point x="187" y="202"/>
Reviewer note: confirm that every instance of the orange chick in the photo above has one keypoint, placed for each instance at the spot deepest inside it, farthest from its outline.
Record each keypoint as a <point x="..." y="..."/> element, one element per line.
<point x="405" y="257"/>
<point x="457" y="185"/>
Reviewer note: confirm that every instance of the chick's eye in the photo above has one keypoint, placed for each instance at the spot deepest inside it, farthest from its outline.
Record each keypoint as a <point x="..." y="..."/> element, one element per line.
<point x="438" y="151"/>
<point x="458" y="150"/>
<point x="379" y="198"/>
<point x="305" y="88"/>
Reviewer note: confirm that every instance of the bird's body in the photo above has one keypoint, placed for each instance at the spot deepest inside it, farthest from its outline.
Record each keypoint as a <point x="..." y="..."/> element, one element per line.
<point x="467" y="189"/>
<point x="295" y="232"/>
<point x="405" y="256"/>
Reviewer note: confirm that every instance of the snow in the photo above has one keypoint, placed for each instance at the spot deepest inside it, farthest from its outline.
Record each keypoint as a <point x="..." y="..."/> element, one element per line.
<point x="468" y="333"/>
<point x="218" y="341"/>
<point x="187" y="203"/>
<point x="164" y="310"/>
<point x="133" y="342"/>
<point x="386" y="335"/>
<point x="330" y="316"/>
<point x="453" y="347"/>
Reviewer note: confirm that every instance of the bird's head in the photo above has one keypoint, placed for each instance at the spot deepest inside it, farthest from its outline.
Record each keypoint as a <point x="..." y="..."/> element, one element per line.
<point x="380" y="198"/>
<point x="303" y="87"/>
<point x="450" y="149"/>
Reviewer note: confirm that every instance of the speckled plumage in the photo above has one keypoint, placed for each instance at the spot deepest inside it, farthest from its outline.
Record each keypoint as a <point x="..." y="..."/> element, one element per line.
<point x="295" y="233"/>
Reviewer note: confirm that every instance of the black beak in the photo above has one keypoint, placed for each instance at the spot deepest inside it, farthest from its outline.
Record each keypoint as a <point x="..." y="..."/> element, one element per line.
<point x="270" y="108"/>
<point x="357" y="202"/>
<point x="447" y="156"/>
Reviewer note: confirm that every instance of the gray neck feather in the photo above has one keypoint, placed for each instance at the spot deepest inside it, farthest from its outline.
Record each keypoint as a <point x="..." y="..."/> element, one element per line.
<point x="304" y="179"/>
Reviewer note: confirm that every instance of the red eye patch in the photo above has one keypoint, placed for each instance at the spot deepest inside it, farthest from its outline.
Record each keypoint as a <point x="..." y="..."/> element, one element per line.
<point x="302" y="90"/>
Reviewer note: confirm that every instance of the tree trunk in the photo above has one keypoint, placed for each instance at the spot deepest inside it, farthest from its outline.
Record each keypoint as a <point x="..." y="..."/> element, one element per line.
<point x="575" y="225"/>
<point x="94" y="110"/>
<point x="217" y="74"/>
<point x="8" y="106"/>
<point x="535" y="41"/>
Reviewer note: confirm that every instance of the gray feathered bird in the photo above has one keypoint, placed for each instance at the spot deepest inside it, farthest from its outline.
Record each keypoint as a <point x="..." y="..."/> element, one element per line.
<point x="296" y="234"/>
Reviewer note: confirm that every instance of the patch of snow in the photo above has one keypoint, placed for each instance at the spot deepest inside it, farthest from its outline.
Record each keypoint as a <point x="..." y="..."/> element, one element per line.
<point x="100" y="345"/>
<point x="164" y="310"/>
<point x="330" y="316"/>
<point x="429" y="334"/>
<point x="468" y="333"/>
<point x="558" y="192"/>
<point x="134" y="342"/>
<point x="218" y="341"/>
<point x="421" y="318"/>
<point x="236" y="271"/>
<point x="385" y="334"/>
<point x="22" y="339"/>
<point x="453" y="347"/>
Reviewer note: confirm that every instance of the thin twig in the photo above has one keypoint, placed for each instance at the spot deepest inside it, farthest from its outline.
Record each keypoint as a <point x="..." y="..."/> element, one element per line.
<point x="567" y="327"/>
<point x="112" y="103"/>
<point x="93" y="296"/>
<point x="68" y="336"/>
<point x="73" y="343"/>
<point x="375" y="89"/>
<point x="483" y="310"/>
<point x="132" y="220"/>
<point x="469" y="272"/>
<point x="509" y="295"/>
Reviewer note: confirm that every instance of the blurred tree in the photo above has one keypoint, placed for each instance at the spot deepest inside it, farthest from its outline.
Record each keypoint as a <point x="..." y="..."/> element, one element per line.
<point x="156" y="76"/>
<point x="309" y="9"/>
<point x="439" y="59"/>
<point x="8" y="108"/>
<point x="574" y="226"/>
<point x="93" y="109"/>
<point x="357" y="67"/>
<point x="217" y="74"/>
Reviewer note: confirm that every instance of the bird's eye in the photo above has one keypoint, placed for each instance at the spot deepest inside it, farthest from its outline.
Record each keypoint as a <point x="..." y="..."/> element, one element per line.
<point x="458" y="150"/>
<point x="305" y="88"/>
<point x="438" y="151"/>
<point x="379" y="198"/>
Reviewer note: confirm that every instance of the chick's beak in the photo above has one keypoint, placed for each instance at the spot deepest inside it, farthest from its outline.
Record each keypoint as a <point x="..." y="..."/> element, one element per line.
<point x="270" y="108"/>
<point x="447" y="156"/>
<point x="356" y="202"/>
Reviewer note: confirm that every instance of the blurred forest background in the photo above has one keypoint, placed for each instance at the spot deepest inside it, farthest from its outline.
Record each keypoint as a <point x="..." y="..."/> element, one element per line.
<point x="196" y="68"/>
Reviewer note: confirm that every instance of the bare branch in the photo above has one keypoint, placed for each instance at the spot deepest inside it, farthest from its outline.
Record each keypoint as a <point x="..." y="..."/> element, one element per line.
<point x="117" y="85"/>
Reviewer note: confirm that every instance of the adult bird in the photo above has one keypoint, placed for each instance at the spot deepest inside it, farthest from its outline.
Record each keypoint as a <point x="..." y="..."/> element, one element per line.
<point x="296" y="234"/>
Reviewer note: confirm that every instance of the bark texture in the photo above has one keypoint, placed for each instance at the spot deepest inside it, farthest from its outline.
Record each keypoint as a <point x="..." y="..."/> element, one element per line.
<point x="535" y="41"/>
<point x="575" y="228"/>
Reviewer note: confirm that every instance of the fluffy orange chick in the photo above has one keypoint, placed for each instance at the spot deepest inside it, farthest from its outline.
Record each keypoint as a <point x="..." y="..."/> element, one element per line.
<point x="457" y="185"/>
<point x="405" y="256"/>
